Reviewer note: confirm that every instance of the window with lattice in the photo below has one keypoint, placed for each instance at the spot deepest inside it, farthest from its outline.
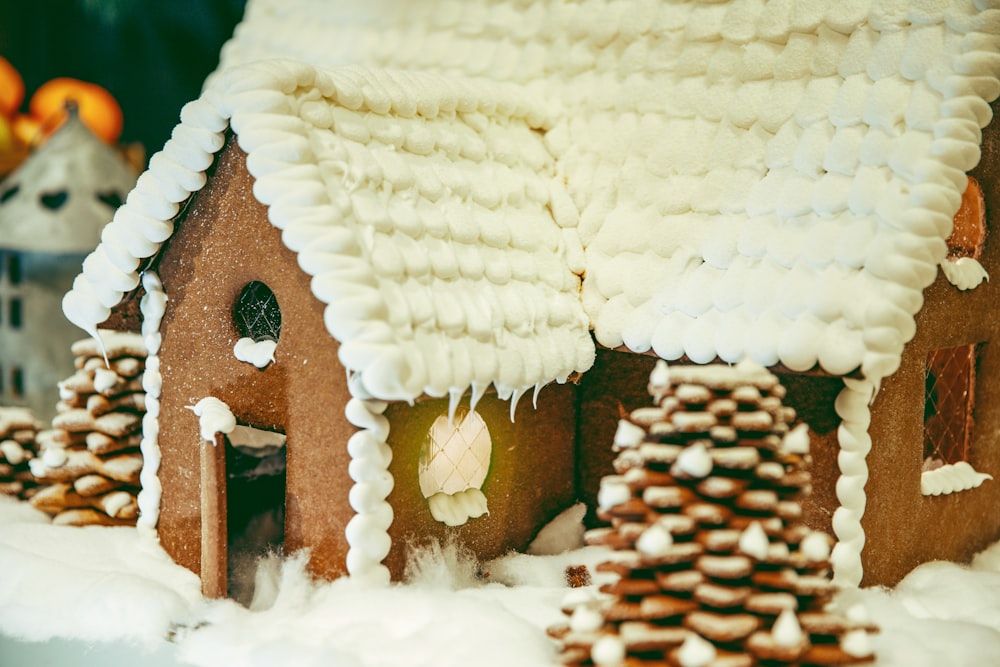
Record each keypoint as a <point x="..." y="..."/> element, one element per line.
<point x="453" y="465"/>
<point x="949" y="395"/>
<point x="257" y="314"/>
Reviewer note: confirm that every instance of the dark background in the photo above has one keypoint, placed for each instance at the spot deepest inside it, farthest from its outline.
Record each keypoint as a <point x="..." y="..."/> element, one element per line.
<point x="152" y="55"/>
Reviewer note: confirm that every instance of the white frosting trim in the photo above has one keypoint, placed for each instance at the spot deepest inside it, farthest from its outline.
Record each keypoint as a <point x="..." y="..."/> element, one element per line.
<point x="951" y="478"/>
<point x="852" y="407"/>
<point x="368" y="530"/>
<point x="152" y="305"/>
<point x="965" y="273"/>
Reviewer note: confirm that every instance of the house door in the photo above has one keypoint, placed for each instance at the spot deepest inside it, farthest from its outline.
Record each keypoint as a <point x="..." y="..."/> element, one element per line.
<point x="255" y="506"/>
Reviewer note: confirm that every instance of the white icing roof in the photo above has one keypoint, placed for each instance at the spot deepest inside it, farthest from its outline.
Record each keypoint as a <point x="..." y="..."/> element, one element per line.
<point x="416" y="203"/>
<point x="772" y="180"/>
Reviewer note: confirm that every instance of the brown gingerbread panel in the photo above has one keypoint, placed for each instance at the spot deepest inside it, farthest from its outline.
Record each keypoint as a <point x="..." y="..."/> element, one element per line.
<point x="224" y="243"/>
<point x="530" y="480"/>
<point x="903" y="527"/>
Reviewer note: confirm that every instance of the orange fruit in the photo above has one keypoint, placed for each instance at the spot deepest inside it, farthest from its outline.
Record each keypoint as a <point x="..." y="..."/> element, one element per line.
<point x="11" y="88"/>
<point x="98" y="108"/>
<point x="27" y="129"/>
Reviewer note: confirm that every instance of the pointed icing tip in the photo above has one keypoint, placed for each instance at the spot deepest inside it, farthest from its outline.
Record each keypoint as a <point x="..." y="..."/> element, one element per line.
<point x="515" y="397"/>
<point x="660" y="376"/>
<point x="478" y="391"/>
<point x="454" y="398"/>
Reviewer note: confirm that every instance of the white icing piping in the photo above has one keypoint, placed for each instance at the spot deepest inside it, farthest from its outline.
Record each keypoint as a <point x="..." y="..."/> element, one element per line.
<point x="852" y="407"/>
<point x="257" y="353"/>
<point x="965" y="273"/>
<point x="152" y="306"/>
<point x="367" y="532"/>
<point x="214" y="417"/>
<point x="935" y="185"/>
<point x="951" y="478"/>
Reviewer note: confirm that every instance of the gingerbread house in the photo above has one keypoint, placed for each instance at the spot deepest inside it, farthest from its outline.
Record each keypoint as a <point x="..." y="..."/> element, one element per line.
<point x="376" y="230"/>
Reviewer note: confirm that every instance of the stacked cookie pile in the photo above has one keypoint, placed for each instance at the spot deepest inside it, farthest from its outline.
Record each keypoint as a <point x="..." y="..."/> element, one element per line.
<point x="714" y="565"/>
<point x="90" y="458"/>
<point x="18" y="429"/>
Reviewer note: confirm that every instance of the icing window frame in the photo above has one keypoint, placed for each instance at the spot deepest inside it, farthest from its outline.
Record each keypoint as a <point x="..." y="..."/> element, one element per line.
<point x="257" y="318"/>
<point x="949" y="406"/>
<point x="454" y="462"/>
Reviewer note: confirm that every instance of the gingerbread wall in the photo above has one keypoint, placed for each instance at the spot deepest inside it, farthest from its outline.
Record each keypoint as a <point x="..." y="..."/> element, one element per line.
<point x="223" y="243"/>
<point x="904" y="528"/>
<point x="530" y="480"/>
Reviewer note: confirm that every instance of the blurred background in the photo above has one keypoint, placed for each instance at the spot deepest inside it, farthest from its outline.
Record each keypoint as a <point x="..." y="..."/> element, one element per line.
<point x="152" y="55"/>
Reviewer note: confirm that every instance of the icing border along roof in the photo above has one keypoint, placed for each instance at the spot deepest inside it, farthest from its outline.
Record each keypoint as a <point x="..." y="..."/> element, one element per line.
<point x="417" y="203"/>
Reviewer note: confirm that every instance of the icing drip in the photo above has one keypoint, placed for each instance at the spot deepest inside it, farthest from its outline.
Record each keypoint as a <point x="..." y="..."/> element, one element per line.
<point x="368" y="530"/>
<point x="152" y="305"/>
<point x="852" y="406"/>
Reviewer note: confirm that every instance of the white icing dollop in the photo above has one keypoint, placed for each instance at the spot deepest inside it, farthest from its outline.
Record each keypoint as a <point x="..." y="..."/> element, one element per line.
<point x="613" y="492"/>
<point x="856" y="643"/>
<point x="655" y="541"/>
<point x="12" y="451"/>
<point x="628" y="434"/>
<point x="115" y="502"/>
<point x="965" y="273"/>
<point x="54" y="457"/>
<point x="754" y="542"/>
<point x="695" y="460"/>
<point x="696" y="651"/>
<point x="796" y="441"/>
<point x="787" y="631"/>
<point x="455" y="509"/>
<point x="659" y="377"/>
<point x="815" y="547"/>
<point x="608" y="651"/>
<point x="259" y="353"/>
<point x="214" y="416"/>
<point x="586" y="618"/>
<point x="105" y="379"/>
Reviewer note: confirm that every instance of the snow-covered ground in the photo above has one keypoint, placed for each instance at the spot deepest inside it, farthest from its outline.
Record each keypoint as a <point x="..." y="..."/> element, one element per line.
<point x="120" y="600"/>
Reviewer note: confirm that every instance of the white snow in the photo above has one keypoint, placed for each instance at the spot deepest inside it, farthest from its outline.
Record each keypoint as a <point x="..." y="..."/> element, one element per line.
<point x="117" y="585"/>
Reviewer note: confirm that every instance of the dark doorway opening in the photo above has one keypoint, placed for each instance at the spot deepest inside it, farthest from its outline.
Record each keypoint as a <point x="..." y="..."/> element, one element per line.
<point x="255" y="501"/>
